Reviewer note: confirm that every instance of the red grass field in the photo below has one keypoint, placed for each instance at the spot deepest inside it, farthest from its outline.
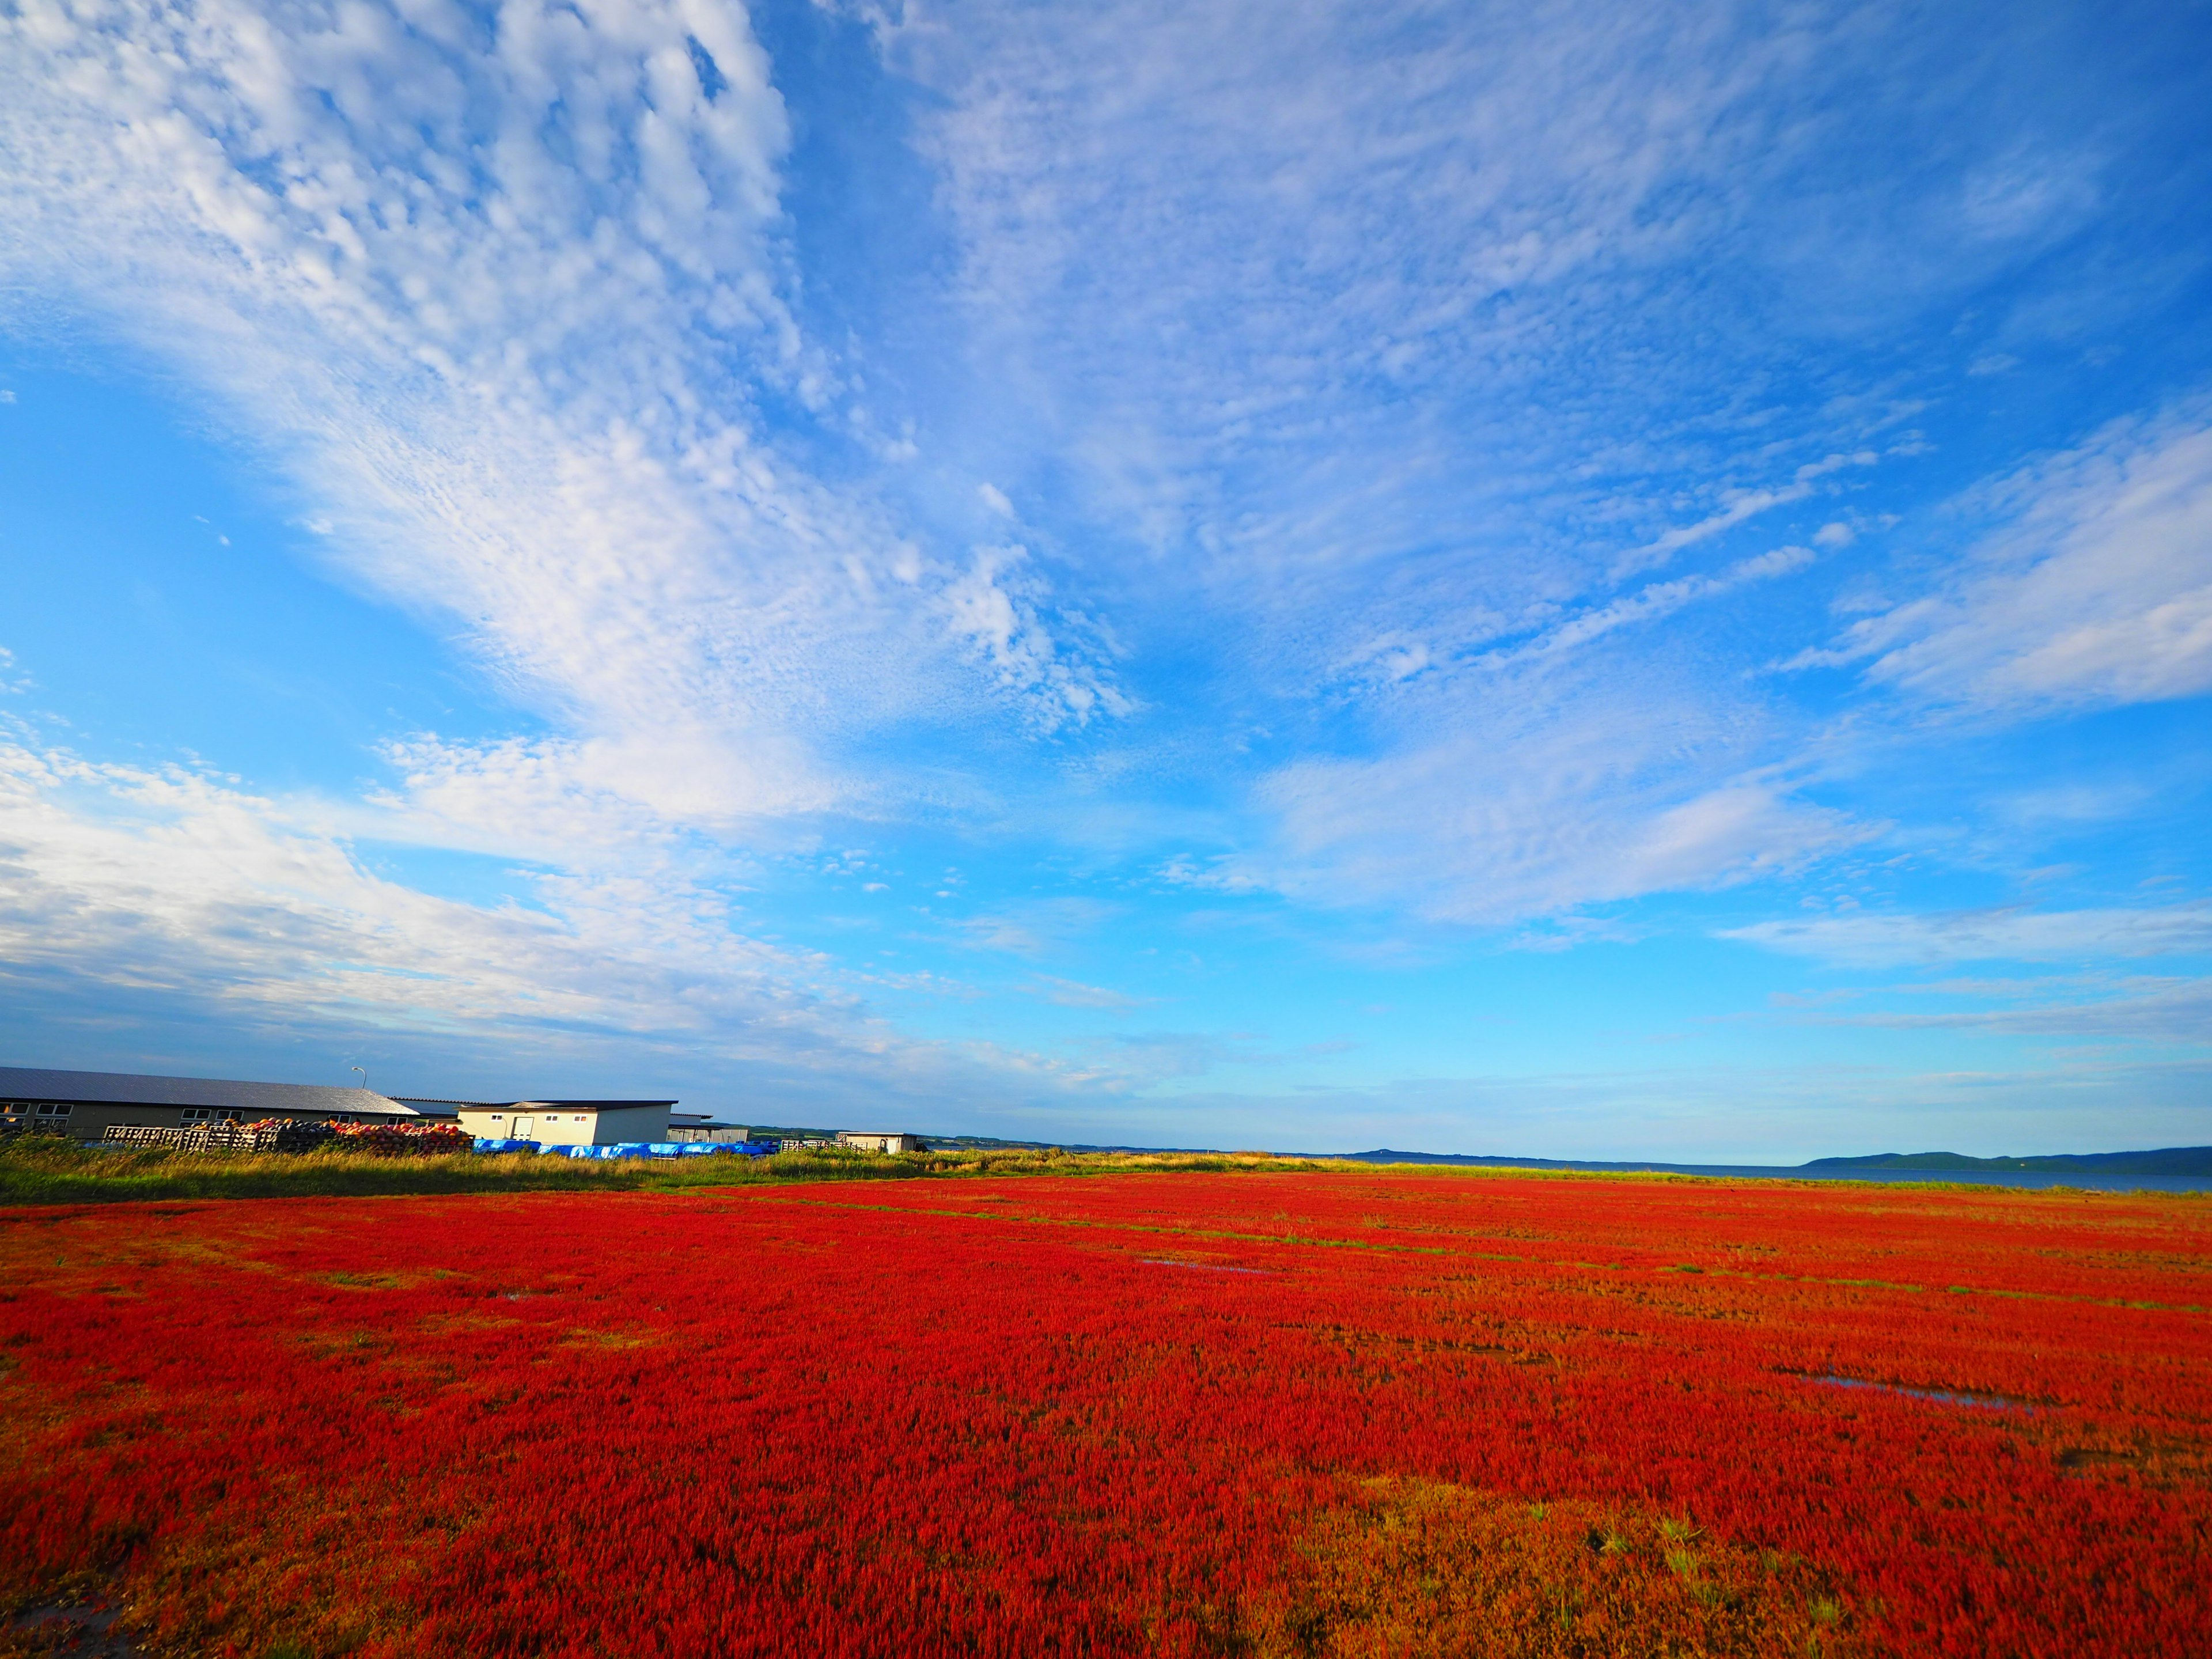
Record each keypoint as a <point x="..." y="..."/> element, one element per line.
<point x="1185" y="1413"/>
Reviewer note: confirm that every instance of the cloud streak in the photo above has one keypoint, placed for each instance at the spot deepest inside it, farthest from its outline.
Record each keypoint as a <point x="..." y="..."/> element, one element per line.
<point x="2009" y="934"/>
<point x="2096" y="591"/>
<point x="509" y="299"/>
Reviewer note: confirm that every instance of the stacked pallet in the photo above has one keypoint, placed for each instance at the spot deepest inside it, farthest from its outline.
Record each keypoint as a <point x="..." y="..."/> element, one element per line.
<point x="134" y="1135"/>
<point x="273" y="1134"/>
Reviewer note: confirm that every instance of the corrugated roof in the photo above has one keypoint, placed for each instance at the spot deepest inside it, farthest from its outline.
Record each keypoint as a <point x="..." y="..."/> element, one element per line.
<point x="129" y="1088"/>
<point x="591" y="1105"/>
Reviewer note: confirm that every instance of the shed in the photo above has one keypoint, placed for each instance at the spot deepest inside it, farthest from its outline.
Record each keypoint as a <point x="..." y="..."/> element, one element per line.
<point x="566" y="1122"/>
<point x="869" y="1141"/>
<point x="701" y="1125"/>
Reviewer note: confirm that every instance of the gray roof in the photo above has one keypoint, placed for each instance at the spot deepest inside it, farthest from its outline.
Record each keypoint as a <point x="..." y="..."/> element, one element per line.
<point x="591" y="1105"/>
<point x="127" y="1089"/>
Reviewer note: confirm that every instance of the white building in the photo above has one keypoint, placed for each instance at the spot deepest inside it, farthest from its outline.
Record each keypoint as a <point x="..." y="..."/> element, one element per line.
<point x="568" y="1122"/>
<point x="869" y="1141"/>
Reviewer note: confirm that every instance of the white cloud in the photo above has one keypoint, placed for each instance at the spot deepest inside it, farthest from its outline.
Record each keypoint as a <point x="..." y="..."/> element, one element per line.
<point x="248" y="915"/>
<point x="994" y="606"/>
<point x="2098" y="591"/>
<point x="1316" y="306"/>
<point x="1551" y="794"/>
<point x="1033" y="927"/>
<point x="1737" y="505"/>
<point x="180" y="880"/>
<point x="2169" y="1010"/>
<point x="1073" y="993"/>
<point x="501" y="296"/>
<point x="1658" y="599"/>
<point x="1871" y="940"/>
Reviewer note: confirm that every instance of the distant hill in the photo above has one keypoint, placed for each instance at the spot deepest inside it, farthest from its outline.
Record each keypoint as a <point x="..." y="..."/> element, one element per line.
<point x="1499" y="1161"/>
<point x="2164" y="1161"/>
<point x="1391" y="1155"/>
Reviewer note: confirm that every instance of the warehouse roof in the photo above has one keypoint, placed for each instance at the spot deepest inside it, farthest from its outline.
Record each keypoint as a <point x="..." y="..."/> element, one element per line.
<point x="130" y="1089"/>
<point x="592" y="1105"/>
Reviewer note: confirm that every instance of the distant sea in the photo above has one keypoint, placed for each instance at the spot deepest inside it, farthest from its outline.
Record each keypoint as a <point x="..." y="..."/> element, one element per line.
<point x="2092" y="1179"/>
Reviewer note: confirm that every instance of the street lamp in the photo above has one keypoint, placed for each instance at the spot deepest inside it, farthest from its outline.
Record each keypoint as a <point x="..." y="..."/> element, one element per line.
<point x="364" y="1078"/>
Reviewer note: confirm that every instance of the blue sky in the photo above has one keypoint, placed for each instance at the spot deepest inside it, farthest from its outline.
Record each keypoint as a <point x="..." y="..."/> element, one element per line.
<point x="1580" y="582"/>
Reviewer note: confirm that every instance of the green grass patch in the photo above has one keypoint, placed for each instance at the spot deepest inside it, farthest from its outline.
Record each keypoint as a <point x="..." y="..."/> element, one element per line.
<point x="48" y="1170"/>
<point x="53" y="1169"/>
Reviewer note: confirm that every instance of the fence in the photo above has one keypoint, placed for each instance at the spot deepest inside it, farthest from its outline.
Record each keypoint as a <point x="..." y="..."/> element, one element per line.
<point x="278" y="1136"/>
<point x="288" y="1135"/>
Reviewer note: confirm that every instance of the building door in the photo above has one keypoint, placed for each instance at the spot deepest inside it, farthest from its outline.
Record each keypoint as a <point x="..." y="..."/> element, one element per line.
<point x="525" y="1127"/>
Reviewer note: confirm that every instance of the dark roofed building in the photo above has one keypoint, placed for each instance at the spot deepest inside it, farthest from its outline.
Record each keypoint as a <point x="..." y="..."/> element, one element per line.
<point x="568" y="1123"/>
<point x="83" y="1104"/>
<point x="704" y="1126"/>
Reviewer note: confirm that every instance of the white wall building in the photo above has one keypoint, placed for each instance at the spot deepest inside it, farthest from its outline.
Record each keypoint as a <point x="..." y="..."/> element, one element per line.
<point x="870" y="1141"/>
<point x="568" y="1122"/>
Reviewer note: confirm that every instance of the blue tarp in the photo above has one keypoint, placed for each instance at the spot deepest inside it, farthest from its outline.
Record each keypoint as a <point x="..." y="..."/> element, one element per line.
<point x="627" y="1148"/>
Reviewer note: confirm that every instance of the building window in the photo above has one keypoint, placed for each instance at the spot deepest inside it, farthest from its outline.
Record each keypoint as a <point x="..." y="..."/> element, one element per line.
<point x="52" y="1109"/>
<point x="210" y="1114"/>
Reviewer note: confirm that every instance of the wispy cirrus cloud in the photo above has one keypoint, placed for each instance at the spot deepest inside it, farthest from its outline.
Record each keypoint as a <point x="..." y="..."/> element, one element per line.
<point x="1074" y="993"/>
<point x="178" y="880"/>
<point x="2136" y="1008"/>
<point x="2098" y="590"/>
<point x="2012" y="934"/>
<point x="509" y="300"/>
<point x="1303" y="299"/>
<point x="254" y="916"/>
<point x="1552" y="792"/>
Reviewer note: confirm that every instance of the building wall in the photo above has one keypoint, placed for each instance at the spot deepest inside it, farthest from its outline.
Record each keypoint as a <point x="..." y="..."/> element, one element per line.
<point x="874" y="1143"/>
<point x="566" y="1126"/>
<point x="633" y="1123"/>
<point x="547" y="1127"/>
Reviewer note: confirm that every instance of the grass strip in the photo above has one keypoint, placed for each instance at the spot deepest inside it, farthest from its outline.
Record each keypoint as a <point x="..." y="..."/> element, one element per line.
<point x="51" y="1169"/>
<point x="39" y="1169"/>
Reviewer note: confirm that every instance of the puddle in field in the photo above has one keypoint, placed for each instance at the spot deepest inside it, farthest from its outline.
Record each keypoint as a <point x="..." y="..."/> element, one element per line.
<point x="2089" y="1457"/>
<point x="1993" y="1402"/>
<point x="79" y="1628"/>
<point x="1201" y="1266"/>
